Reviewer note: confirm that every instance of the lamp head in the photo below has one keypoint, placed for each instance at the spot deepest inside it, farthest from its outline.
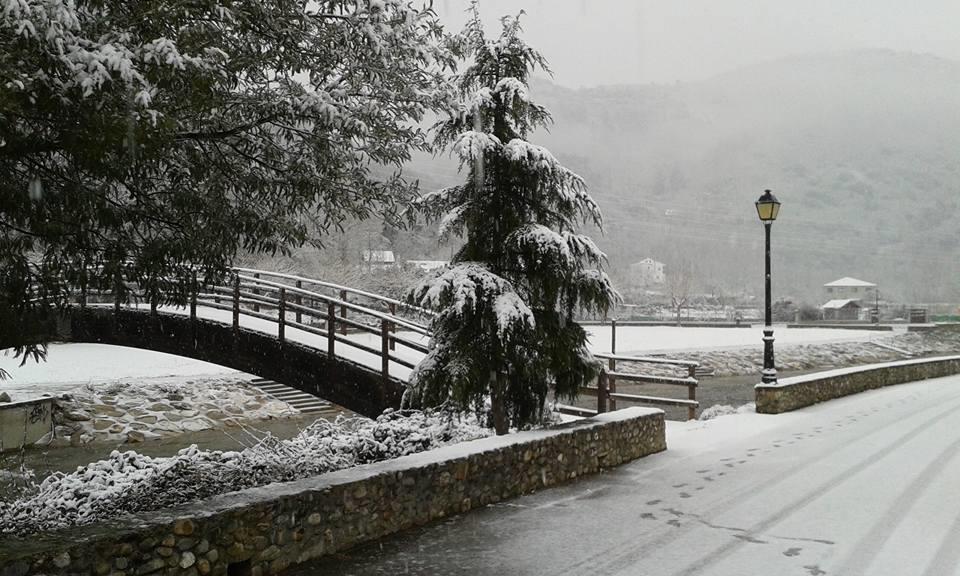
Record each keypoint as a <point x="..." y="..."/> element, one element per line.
<point x="768" y="207"/>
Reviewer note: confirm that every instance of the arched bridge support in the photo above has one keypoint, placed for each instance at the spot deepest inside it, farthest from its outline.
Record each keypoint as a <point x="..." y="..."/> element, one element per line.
<point x="308" y="369"/>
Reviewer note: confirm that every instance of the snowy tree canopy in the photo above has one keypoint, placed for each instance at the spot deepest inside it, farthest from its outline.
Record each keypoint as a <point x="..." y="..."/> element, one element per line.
<point x="506" y="304"/>
<point x="174" y="132"/>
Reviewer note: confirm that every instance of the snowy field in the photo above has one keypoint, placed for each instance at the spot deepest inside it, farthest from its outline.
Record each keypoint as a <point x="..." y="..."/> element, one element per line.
<point x="650" y="339"/>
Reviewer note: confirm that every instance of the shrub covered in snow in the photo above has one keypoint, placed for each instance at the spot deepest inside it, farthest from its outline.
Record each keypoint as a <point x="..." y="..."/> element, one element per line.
<point x="726" y="410"/>
<point x="131" y="482"/>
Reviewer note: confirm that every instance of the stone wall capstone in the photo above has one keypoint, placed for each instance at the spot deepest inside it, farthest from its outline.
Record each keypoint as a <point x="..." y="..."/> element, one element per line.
<point x="800" y="391"/>
<point x="264" y="530"/>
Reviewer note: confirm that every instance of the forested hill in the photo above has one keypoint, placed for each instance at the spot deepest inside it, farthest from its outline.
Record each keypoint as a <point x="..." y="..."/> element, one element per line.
<point x="862" y="148"/>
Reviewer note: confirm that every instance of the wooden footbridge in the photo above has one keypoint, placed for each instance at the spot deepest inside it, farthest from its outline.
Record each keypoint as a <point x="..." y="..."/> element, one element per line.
<point x="346" y="345"/>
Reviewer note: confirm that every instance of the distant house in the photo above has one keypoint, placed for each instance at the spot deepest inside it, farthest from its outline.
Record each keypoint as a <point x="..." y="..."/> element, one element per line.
<point x="379" y="258"/>
<point x="849" y="288"/>
<point x="841" y="309"/>
<point x="427" y="265"/>
<point x="647" y="272"/>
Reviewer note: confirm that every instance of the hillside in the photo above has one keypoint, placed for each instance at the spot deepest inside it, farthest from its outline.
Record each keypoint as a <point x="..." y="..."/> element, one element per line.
<point x="862" y="148"/>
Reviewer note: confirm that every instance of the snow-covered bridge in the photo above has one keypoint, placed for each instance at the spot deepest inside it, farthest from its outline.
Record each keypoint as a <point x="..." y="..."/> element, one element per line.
<point x="346" y="345"/>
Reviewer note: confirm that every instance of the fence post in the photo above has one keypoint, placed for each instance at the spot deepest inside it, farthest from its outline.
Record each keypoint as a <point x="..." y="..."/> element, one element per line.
<point x="385" y="349"/>
<point x="83" y="291"/>
<point x="256" y="306"/>
<point x="393" y="327"/>
<point x="602" y="392"/>
<point x="193" y="297"/>
<point x="236" y="302"/>
<point x="299" y="300"/>
<point x="331" y="327"/>
<point x="692" y="393"/>
<point x="343" y="312"/>
<point x="282" y="307"/>
<point x="612" y="364"/>
<point x="154" y="297"/>
<point x="117" y="281"/>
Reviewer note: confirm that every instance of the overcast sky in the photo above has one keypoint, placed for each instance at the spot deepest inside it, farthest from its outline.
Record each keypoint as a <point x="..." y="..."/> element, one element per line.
<point x="592" y="42"/>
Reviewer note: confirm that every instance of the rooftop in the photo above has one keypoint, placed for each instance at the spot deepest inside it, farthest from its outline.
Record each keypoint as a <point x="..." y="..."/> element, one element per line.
<point x="848" y="281"/>
<point x="838" y="304"/>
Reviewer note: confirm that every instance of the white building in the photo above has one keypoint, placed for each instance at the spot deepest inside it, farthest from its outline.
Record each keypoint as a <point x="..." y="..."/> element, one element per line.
<point x="427" y="265"/>
<point x="379" y="258"/>
<point x="646" y="272"/>
<point x="850" y="289"/>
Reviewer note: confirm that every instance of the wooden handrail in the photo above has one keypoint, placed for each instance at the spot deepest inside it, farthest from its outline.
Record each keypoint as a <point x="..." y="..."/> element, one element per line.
<point x="343" y="304"/>
<point x="364" y="293"/>
<point x="606" y="388"/>
<point x="646" y="359"/>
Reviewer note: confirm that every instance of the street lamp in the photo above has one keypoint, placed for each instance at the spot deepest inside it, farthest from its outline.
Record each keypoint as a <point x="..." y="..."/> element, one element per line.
<point x="767" y="208"/>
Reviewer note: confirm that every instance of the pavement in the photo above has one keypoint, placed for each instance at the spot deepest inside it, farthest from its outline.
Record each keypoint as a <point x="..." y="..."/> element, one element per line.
<point x="868" y="484"/>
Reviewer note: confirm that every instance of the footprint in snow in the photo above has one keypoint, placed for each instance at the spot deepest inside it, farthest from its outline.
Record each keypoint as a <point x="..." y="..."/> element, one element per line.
<point x="792" y="551"/>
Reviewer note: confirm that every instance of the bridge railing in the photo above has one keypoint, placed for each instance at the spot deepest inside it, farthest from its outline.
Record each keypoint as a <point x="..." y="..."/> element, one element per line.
<point x="643" y="370"/>
<point x="290" y="301"/>
<point x="344" y="293"/>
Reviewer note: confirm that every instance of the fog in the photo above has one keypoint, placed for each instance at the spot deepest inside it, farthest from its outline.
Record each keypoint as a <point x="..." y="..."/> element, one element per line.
<point x="604" y="42"/>
<point x="680" y="114"/>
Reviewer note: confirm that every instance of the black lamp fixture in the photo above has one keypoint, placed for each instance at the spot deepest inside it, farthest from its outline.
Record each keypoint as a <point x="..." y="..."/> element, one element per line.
<point x="768" y="207"/>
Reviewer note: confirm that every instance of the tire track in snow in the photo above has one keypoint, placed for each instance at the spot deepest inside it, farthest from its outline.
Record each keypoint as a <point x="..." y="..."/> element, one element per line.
<point x="814" y="494"/>
<point x="623" y="553"/>
<point x="947" y="557"/>
<point x="870" y="545"/>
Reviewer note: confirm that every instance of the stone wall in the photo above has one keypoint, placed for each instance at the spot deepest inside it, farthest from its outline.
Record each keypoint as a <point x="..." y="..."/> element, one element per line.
<point x="265" y="530"/>
<point x="793" y="393"/>
<point x="338" y="380"/>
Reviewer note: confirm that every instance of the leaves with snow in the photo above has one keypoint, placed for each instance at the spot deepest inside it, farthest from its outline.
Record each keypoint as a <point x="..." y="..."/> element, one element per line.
<point x="172" y="133"/>
<point x="128" y="482"/>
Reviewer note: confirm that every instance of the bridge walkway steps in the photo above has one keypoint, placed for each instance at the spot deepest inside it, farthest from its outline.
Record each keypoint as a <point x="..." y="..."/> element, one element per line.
<point x="305" y="403"/>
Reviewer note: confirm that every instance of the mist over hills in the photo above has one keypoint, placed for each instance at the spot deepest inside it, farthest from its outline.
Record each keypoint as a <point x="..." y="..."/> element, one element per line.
<point x="862" y="148"/>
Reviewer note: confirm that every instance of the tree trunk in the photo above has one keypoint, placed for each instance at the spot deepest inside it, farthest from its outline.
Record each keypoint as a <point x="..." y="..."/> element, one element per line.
<point x="498" y="387"/>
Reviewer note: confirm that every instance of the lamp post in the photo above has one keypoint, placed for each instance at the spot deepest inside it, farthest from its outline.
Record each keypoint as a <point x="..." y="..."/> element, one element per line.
<point x="767" y="208"/>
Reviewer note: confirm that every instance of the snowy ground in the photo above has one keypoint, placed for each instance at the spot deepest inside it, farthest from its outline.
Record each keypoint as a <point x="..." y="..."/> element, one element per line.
<point x="70" y="366"/>
<point x="119" y="394"/>
<point x="861" y="485"/>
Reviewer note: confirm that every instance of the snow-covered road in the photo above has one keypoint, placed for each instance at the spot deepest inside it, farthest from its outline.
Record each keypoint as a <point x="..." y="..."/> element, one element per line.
<point x="863" y="485"/>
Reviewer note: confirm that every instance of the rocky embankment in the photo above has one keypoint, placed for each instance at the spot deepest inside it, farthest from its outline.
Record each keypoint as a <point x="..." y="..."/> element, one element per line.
<point x="134" y="411"/>
<point x="941" y="341"/>
<point x="834" y="355"/>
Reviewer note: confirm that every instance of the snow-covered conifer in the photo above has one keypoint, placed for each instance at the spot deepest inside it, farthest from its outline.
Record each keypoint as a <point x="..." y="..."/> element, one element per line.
<point x="505" y="327"/>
